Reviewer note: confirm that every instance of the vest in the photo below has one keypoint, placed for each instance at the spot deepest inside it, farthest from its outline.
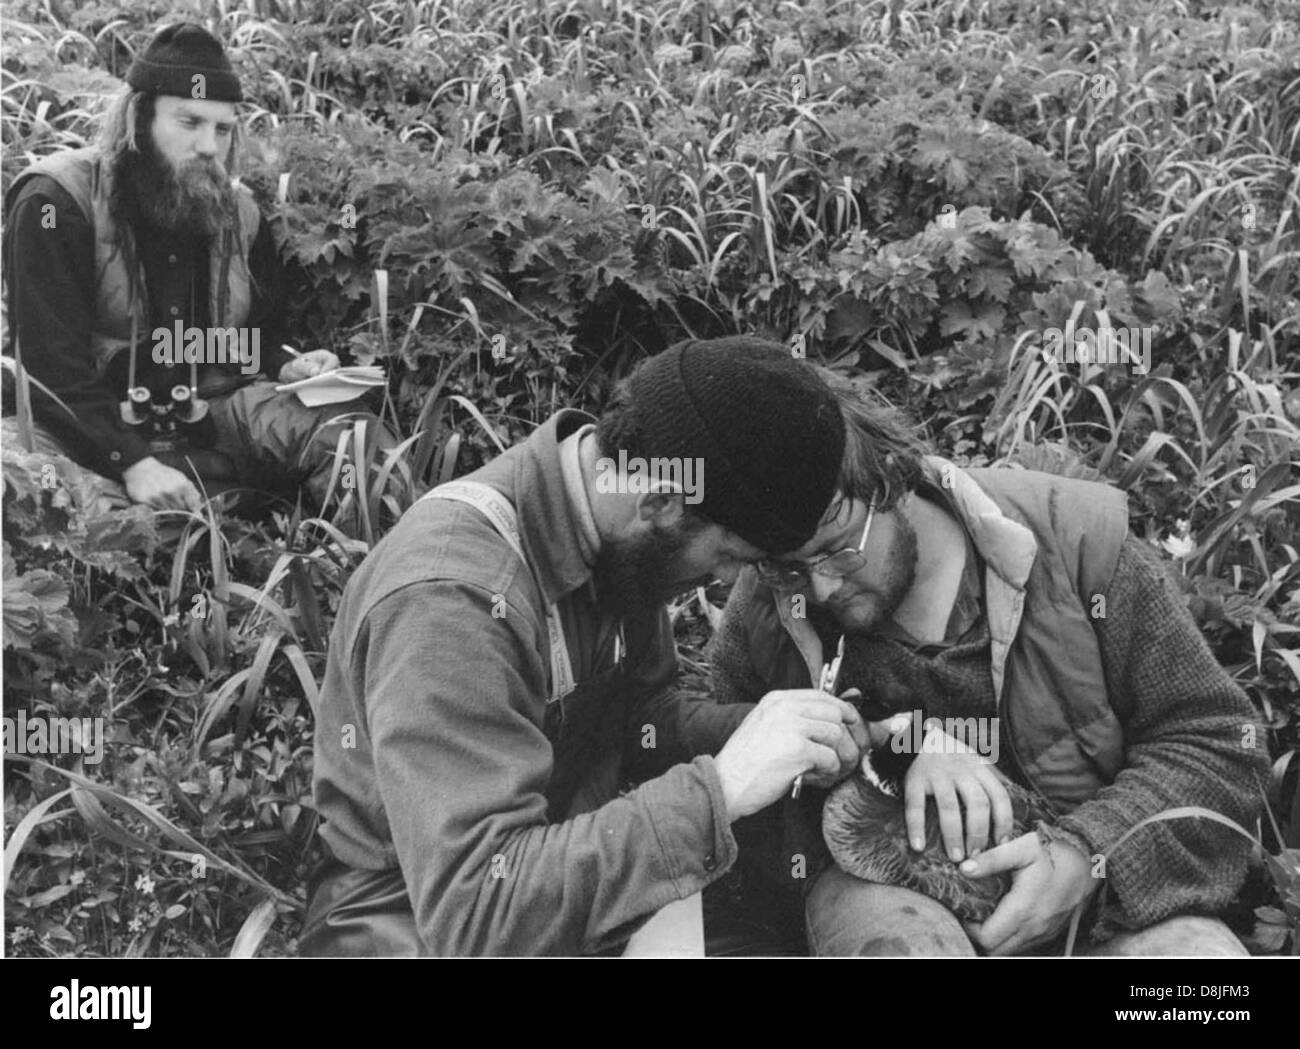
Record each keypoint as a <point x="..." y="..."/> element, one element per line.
<point x="120" y="290"/>
<point x="1050" y="546"/>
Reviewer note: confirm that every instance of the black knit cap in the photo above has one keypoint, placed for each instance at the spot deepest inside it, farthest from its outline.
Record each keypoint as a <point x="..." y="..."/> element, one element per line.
<point x="767" y="429"/>
<point x="178" y="53"/>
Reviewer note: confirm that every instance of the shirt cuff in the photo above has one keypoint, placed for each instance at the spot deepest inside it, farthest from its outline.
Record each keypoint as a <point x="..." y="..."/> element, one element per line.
<point x="125" y="452"/>
<point x="689" y="815"/>
<point x="1050" y="833"/>
<point x="273" y="360"/>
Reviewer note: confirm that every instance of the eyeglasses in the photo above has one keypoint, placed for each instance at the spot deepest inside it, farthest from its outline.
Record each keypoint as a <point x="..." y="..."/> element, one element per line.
<point x="787" y="574"/>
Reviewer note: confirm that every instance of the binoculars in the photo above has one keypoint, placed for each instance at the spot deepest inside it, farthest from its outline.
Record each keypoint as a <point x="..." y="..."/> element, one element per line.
<point x="183" y="418"/>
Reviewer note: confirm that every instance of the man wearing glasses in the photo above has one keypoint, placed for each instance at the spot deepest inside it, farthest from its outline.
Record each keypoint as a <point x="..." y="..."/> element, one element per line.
<point x="1017" y="599"/>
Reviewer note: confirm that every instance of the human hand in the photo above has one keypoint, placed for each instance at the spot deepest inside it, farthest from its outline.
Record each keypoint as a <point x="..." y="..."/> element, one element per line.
<point x="306" y="365"/>
<point x="159" y="486"/>
<point x="880" y="733"/>
<point x="849" y="747"/>
<point x="956" y="776"/>
<point x="1048" y="881"/>
<point x="787" y="734"/>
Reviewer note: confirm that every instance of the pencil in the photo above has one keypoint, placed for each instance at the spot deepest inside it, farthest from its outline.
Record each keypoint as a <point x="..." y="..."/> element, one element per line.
<point x="830" y="679"/>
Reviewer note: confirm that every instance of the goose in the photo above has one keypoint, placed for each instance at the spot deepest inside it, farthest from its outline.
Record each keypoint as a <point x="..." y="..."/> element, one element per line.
<point x="865" y="828"/>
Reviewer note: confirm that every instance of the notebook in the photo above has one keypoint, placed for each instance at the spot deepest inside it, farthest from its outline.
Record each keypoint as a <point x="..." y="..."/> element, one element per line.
<point x="332" y="387"/>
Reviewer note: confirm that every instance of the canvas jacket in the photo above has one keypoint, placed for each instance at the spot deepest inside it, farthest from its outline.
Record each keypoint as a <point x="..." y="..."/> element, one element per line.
<point x="437" y="751"/>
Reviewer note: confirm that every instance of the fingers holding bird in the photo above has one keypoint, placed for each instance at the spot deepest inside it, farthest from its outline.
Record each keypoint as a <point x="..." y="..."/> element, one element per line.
<point x="957" y="779"/>
<point x="1048" y="881"/>
<point x="832" y="740"/>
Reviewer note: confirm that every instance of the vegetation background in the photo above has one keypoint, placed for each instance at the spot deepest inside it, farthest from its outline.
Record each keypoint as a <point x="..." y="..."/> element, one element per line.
<point x="509" y="203"/>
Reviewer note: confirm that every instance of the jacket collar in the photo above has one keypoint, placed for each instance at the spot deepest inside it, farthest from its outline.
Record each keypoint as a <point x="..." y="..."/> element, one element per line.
<point x="1007" y="547"/>
<point x="549" y="524"/>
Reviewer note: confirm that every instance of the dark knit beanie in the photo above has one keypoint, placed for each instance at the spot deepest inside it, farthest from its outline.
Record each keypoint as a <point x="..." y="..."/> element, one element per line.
<point x="767" y="429"/>
<point x="175" y="56"/>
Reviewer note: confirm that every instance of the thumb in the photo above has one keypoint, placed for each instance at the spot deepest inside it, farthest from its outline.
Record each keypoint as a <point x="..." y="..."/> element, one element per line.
<point x="1018" y="852"/>
<point x="881" y="732"/>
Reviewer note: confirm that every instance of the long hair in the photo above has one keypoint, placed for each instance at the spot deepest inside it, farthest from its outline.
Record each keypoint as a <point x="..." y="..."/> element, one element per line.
<point x="883" y="447"/>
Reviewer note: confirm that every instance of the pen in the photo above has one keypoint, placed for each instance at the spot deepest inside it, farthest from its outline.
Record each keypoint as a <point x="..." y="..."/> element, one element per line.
<point x="829" y="681"/>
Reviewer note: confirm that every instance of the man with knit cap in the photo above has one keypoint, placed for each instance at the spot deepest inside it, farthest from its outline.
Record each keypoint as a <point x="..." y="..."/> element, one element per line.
<point x="143" y="232"/>
<point x="502" y="764"/>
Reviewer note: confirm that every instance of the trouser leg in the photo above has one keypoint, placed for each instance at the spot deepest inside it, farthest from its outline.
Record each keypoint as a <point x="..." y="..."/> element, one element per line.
<point x="280" y="441"/>
<point x="1185" y="935"/>
<point x="849" y="917"/>
<point x="744" y="919"/>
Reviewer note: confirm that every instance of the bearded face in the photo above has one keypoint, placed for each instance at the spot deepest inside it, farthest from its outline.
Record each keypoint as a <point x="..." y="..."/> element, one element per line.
<point x="866" y="599"/>
<point x="639" y="573"/>
<point x="177" y="178"/>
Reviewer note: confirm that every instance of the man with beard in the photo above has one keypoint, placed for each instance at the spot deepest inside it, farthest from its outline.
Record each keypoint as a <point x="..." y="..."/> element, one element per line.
<point x="1018" y="600"/>
<point x="144" y="231"/>
<point x="499" y="675"/>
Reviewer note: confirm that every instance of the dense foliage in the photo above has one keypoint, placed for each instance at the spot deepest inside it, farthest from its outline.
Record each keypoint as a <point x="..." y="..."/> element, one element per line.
<point x="510" y="203"/>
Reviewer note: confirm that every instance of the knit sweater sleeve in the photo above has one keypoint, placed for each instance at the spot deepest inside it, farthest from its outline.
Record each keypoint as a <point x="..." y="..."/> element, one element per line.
<point x="1192" y="738"/>
<point x="733" y="678"/>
